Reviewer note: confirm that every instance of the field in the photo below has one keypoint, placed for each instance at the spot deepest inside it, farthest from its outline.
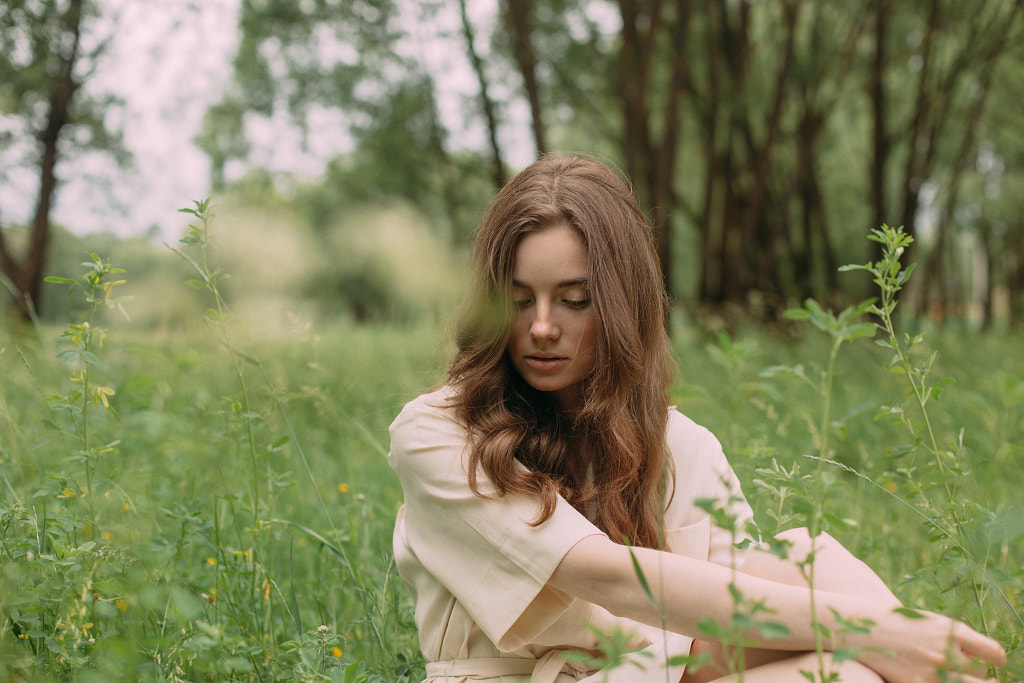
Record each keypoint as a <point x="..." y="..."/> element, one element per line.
<point x="216" y="504"/>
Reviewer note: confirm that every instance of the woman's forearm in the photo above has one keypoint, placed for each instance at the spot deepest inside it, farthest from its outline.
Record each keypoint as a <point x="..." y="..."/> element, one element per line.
<point x="687" y="590"/>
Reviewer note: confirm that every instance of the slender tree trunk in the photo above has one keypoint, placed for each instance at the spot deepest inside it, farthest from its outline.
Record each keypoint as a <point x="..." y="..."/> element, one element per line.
<point x="650" y="160"/>
<point x="27" y="277"/>
<point x="634" y="70"/>
<point x="922" y="143"/>
<point x="880" y="141"/>
<point x="498" y="166"/>
<point x="518" y="14"/>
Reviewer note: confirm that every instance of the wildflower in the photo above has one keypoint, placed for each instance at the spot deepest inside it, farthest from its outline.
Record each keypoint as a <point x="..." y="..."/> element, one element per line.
<point x="323" y="628"/>
<point x="343" y="487"/>
<point x="122" y="604"/>
<point x="67" y="493"/>
<point x="95" y="596"/>
<point x="102" y="393"/>
<point x="106" y="536"/>
<point x="126" y="507"/>
<point x="336" y="651"/>
<point x="212" y="561"/>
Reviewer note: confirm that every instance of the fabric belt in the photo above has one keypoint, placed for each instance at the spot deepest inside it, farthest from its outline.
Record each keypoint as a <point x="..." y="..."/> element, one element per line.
<point x="543" y="670"/>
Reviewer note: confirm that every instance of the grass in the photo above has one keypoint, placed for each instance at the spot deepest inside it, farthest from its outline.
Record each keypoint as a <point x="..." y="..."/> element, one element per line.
<point x="175" y="532"/>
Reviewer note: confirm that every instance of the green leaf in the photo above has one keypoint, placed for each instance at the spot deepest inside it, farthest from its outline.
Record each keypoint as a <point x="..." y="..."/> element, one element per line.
<point x="196" y="284"/>
<point x="59" y="280"/>
<point x="908" y="613"/>
<point x="640" y="576"/>
<point x="773" y="629"/>
<point x="782" y="372"/>
<point x="709" y="627"/>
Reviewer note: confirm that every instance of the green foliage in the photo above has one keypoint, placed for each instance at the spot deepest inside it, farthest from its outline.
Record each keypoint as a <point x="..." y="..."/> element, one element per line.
<point x="185" y="546"/>
<point x="232" y="496"/>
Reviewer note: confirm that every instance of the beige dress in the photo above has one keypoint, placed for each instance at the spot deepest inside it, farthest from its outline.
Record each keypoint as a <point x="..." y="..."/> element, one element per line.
<point x="478" y="571"/>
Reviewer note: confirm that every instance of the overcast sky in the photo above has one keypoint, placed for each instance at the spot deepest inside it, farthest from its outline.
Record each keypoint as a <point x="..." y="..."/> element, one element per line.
<point x="169" y="60"/>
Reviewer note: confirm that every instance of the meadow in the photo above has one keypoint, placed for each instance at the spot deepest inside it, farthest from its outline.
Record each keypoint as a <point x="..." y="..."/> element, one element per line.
<point x="214" y="502"/>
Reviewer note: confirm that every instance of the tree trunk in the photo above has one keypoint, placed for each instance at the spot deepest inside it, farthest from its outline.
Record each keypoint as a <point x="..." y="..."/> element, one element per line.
<point x="650" y="161"/>
<point x="27" y="277"/>
<point x="517" y="18"/>
<point x="880" y="141"/>
<point x="498" y="167"/>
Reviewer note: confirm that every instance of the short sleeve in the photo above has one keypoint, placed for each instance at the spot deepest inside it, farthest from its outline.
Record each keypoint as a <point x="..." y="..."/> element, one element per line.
<point x="483" y="550"/>
<point x="702" y="472"/>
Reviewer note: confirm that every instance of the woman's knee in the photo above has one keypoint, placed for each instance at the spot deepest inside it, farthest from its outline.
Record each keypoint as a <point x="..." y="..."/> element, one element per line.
<point x="796" y="667"/>
<point x="855" y="672"/>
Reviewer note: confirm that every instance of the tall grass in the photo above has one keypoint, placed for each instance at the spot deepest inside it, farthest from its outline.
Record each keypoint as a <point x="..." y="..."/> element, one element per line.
<point x="217" y="505"/>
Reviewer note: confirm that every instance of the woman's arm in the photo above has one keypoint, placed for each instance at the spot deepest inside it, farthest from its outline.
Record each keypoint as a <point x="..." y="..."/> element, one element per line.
<point x="688" y="590"/>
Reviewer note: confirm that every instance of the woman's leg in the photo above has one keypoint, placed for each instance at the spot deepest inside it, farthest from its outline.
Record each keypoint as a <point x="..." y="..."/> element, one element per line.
<point x="835" y="570"/>
<point x="789" y="670"/>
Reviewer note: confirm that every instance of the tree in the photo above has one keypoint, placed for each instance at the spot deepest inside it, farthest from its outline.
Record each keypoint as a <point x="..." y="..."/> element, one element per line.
<point x="359" y="62"/>
<point x="751" y="123"/>
<point x="486" y="102"/>
<point x="48" y="49"/>
<point x="953" y="61"/>
<point x="518" y="19"/>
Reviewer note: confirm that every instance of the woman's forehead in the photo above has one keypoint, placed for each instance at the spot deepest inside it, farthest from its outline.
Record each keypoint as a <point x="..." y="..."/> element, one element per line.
<point x="555" y="253"/>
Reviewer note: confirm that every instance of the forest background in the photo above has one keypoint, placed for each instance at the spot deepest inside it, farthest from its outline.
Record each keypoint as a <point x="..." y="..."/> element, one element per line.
<point x="764" y="139"/>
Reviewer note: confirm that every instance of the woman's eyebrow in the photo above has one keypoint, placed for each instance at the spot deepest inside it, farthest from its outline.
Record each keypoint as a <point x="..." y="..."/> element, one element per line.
<point x="575" y="282"/>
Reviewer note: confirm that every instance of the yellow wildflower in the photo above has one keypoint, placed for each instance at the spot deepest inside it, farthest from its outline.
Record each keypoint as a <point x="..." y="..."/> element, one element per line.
<point x="336" y="651"/>
<point x="343" y="487"/>
<point x="102" y="393"/>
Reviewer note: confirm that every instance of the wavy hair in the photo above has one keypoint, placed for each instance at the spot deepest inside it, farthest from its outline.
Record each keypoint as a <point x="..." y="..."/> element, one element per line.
<point x="609" y="458"/>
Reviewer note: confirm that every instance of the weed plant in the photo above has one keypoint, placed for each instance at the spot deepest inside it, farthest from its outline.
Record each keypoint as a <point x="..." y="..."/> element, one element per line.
<point x="931" y="512"/>
<point x="218" y="506"/>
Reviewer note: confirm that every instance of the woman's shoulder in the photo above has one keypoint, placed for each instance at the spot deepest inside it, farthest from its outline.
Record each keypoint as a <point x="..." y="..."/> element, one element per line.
<point x="429" y="420"/>
<point x="435" y="402"/>
<point x="681" y="428"/>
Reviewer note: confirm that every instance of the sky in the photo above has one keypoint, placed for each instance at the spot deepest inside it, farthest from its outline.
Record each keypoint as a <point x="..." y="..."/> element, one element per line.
<point x="168" y="60"/>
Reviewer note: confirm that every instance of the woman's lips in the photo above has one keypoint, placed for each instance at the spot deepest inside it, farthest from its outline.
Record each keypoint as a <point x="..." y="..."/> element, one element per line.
<point x="546" y="364"/>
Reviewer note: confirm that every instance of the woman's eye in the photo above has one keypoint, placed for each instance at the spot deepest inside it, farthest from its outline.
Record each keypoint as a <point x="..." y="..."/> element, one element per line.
<point x="522" y="303"/>
<point x="578" y="304"/>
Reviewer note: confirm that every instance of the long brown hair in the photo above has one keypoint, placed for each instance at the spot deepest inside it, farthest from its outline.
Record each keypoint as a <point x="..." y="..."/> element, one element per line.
<point x="609" y="458"/>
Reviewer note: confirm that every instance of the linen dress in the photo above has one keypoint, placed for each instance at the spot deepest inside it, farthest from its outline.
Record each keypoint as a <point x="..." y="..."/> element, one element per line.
<point x="478" y="570"/>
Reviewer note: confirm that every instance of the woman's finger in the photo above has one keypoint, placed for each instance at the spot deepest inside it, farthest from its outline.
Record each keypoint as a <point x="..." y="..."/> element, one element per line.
<point x="978" y="646"/>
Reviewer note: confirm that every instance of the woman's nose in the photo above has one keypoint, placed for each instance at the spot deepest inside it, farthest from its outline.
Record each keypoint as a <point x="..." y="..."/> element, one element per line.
<point x="543" y="327"/>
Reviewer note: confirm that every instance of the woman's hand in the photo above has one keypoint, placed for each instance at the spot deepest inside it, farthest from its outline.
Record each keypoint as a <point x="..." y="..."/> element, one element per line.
<point x="917" y="649"/>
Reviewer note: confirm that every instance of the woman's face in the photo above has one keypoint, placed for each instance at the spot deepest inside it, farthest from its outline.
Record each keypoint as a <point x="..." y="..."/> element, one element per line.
<point x="554" y="334"/>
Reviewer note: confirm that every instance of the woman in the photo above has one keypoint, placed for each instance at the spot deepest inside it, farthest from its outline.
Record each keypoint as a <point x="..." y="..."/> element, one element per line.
<point x="550" y="467"/>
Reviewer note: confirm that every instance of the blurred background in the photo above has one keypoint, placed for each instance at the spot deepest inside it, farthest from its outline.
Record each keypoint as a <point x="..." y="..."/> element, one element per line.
<point x="351" y="146"/>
